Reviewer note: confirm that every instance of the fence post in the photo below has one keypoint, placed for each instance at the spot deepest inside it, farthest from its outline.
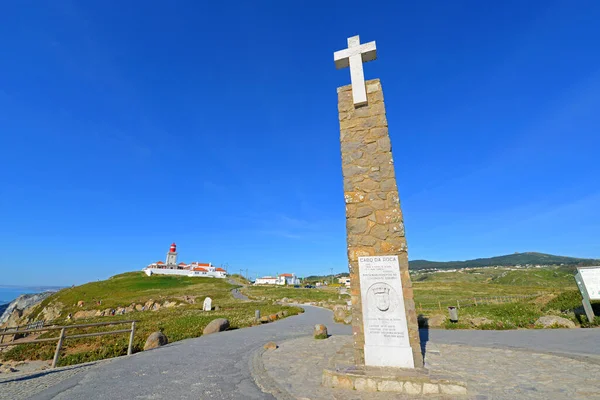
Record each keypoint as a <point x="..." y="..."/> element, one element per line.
<point x="475" y="300"/>
<point x="420" y="306"/>
<point x="58" y="346"/>
<point x="130" y="348"/>
<point x="457" y="304"/>
<point x="440" y="305"/>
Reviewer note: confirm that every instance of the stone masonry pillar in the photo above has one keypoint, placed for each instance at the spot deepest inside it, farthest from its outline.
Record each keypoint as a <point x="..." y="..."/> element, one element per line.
<point x="374" y="223"/>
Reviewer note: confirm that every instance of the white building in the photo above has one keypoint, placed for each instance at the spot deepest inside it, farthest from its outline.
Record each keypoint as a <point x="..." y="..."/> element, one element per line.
<point x="282" y="279"/>
<point x="345" y="280"/>
<point x="182" y="269"/>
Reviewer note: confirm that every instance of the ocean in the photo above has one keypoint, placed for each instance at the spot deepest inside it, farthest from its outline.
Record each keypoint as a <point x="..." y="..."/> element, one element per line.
<point x="9" y="293"/>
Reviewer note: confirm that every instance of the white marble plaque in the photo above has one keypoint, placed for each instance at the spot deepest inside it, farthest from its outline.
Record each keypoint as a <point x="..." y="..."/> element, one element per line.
<point x="591" y="280"/>
<point x="384" y="318"/>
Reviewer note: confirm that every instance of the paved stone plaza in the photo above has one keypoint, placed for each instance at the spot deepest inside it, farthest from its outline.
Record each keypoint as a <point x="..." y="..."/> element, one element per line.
<point x="297" y="366"/>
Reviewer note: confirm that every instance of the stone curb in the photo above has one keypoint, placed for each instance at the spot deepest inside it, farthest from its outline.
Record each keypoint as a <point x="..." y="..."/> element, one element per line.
<point x="263" y="380"/>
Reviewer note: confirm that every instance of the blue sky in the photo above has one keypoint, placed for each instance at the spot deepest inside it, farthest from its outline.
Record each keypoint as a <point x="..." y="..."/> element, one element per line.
<point x="128" y="125"/>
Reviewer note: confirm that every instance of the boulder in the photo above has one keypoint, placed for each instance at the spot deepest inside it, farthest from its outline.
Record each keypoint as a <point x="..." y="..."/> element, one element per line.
<point x="156" y="339"/>
<point x="339" y="314"/>
<point x="130" y="309"/>
<point x="273" y="317"/>
<point x="155" y="307"/>
<point x="264" y="319"/>
<point x="320" y="332"/>
<point x="139" y="307"/>
<point x="550" y="321"/>
<point x="148" y="305"/>
<point x="52" y="312"/>
<point x="270" y="346"/>
<point x="80" y="303"/>
<point x="285" y="313"/>
<point x="280" y="314"/>
<point x="216" y="325"/>
<point x="84" y="314"/>
<point x="169" y="304"/>
<point x="348" y="319"/>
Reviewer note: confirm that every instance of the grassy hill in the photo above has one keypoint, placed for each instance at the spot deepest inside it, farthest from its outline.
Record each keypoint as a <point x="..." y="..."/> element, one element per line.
<point x="507" y="260"/>
<point x="182" y="318"/>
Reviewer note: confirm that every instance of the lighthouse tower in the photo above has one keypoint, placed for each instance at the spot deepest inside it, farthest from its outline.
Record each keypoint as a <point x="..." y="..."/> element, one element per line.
<point x="172" y="256"/>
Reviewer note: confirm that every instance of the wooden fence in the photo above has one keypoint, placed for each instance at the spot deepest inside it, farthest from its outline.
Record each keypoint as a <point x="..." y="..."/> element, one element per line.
<point x="473" y="302"/>
<point x="18" y="329"/>
<point x="62" y="337"/>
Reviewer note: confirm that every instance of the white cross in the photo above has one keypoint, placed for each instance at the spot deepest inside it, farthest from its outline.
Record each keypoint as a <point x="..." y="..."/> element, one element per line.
<point x="354" y="56"/>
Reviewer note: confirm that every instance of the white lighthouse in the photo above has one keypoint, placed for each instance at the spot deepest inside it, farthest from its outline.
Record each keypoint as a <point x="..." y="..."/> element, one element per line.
<point x="172" y="256"/>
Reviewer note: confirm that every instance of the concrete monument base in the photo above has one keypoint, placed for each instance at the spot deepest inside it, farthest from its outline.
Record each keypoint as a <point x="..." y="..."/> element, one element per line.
<point x="343" y="374"/>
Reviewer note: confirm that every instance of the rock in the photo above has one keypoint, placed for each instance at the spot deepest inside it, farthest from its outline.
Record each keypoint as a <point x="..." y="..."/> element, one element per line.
<point x="169" y="304"/>
<point x="155" y="307"/>
<point x="270" y="346"/>
<point x="264" y="319"/>
<point x="120" y="311"/>
<point x="348" y="320"/>
<point x="550" y="321"/>
<point x="80" y="303"/>
<point x="148" y="305"/>
<point x="156" y="339"/>
<point x="99" y="313"/>
<point x="272" y="317"/>
<point x="339" y="314"/>
<point x="285" y="300"/>
<point x="478" y="321"/>
<point x="139" y="307"/>
<point x="280" y="314"/>
<point x="52" y="312"/>
<point x="23" y="304"/>
<point x="130" y="309"/>
<point x="285" y="313"/>
<point x="217" y="308"/>
<point x="320" y="332"/>
<point x="216" y="325"/>
<point x="84" y="314"/>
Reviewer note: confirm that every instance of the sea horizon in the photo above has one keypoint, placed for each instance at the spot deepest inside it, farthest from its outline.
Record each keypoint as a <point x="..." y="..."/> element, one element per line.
<point x="10" y="292"/>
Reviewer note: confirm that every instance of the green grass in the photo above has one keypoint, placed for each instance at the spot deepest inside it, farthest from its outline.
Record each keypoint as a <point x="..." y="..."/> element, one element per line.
<point x="549" y="291"/>
<point x="327" y="295"/>
<point x="176" y="323"/>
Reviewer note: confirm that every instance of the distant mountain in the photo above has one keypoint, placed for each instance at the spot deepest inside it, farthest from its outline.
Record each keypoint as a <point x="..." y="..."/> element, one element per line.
<point x="506" y="261"/>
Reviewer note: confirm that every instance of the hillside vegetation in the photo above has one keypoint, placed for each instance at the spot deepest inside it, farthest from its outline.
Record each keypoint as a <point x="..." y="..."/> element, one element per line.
<point x="501" y="298"/>
<point x="507" y="260"/>
<point x="182" y="318"/>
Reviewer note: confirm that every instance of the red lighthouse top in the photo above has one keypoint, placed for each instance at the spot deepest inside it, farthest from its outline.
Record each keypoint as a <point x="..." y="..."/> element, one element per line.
<point x="173" y="248"/>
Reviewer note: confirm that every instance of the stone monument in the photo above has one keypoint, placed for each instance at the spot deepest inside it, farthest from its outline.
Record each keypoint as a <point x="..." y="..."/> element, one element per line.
<point x="384" y="321"/>
<point x="207" y="306"/>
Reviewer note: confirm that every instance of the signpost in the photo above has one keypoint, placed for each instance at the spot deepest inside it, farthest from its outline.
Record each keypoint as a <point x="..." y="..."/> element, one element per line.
<point x="588" y="282"/>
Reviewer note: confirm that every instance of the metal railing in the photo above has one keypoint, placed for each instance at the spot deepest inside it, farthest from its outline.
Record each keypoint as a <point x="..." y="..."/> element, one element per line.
<point x="62" y="337"/>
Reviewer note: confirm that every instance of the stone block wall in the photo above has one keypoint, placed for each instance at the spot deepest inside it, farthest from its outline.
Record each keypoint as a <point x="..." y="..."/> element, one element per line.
<point x="374" y="223"/>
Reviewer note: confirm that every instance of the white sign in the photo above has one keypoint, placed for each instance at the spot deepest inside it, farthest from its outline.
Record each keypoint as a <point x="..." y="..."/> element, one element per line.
<point x="591" y="280"/>
<point x="384" y="317"/>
